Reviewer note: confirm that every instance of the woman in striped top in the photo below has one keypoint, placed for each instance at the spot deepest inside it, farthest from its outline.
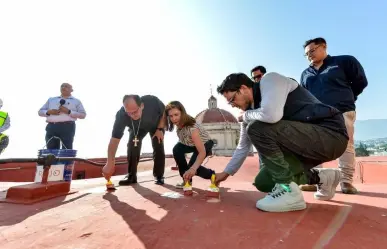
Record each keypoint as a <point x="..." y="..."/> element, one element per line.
<point x="193" y="138"/>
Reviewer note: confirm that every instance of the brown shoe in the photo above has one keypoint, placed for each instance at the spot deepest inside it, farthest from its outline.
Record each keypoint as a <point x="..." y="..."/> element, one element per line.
<point x="307" y="187"/>
<point x="348" y="188"/>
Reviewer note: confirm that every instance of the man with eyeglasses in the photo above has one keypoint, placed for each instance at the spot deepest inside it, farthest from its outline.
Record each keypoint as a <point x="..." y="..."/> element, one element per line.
<point x="336" y="81"/>
<point x="257" y="73"/>
<point x="142" y="115"/>
<point x="292" y="131"/>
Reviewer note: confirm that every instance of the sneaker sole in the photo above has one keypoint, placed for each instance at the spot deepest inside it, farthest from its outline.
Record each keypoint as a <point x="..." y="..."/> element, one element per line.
<point x="294" y="207"/>
<point x="332" y="190"/>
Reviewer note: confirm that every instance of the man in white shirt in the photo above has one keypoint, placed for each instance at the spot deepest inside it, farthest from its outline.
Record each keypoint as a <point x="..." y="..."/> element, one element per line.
<point x="61" y="112"/>
<point x="292" y="132"/>
<point x="5" y="123"/>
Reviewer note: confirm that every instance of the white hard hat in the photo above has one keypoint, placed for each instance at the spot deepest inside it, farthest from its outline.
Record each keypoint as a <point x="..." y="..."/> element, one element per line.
<point x="1" y="103"/>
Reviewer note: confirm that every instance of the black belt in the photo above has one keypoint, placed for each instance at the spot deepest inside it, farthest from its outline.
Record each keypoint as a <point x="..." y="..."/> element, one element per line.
<point x="65" y="122"/>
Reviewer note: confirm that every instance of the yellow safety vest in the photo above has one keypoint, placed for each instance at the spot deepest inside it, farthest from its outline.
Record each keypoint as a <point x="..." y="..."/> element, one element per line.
<point x="3" y="117"/>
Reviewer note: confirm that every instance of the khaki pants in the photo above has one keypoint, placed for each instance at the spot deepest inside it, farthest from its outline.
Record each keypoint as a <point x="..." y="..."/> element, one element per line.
<point x="347" y="160"/>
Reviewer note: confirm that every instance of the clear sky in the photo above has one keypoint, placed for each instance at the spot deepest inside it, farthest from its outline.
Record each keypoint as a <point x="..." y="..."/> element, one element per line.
<point x="172" y="49"/>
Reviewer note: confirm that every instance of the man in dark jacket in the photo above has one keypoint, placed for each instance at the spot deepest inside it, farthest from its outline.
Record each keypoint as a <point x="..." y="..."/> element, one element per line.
<point x="336" y="81"/>
<point x="292" y="131"/>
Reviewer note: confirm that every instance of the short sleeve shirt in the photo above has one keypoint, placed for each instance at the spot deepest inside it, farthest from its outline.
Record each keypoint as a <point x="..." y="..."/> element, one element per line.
<point x="185" y="134"/>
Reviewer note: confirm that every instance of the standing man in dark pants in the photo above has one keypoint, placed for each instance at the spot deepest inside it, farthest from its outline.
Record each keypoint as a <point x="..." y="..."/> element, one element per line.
<point x="292" y="131"/>
<point x="142" y="115"/>
<point x="61" y="112"/>
<point x="336" y="81"/>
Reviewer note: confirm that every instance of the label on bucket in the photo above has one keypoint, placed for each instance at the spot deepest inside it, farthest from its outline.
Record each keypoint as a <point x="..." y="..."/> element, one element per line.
<point x="55" y="173"/>
<point x="68" y="172"/>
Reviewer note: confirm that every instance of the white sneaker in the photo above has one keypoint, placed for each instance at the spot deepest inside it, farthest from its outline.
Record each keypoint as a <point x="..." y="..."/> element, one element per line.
<point x="283" y="198"/>
<point x="329" y="179"/>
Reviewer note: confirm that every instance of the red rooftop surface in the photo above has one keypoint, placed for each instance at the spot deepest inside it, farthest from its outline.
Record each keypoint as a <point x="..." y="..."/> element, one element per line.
<point x="146" y="215"/>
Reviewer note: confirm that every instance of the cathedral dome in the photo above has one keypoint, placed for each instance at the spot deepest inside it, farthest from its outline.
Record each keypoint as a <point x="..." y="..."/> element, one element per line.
<point x="214" y="114"/>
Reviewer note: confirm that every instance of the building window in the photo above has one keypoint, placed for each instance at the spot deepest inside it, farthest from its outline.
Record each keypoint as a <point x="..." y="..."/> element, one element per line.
<point x="236" y="141"/>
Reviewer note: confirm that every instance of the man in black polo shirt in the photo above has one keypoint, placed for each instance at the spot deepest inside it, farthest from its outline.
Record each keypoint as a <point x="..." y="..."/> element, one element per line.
<point x="142" y="115"/>
<point x="336" y="81"/>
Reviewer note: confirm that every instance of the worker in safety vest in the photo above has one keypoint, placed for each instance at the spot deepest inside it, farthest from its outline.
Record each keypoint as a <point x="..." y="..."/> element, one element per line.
<point x="5" y="123"/>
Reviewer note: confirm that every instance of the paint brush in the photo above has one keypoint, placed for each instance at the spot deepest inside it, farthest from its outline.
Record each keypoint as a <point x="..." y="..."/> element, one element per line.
<point x="213" y="190"/>
<point x="187" y="189"/>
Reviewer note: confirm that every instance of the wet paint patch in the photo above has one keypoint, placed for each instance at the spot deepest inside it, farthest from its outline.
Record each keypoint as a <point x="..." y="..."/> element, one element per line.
<point x="176" y="195"/>
<point x="173" y="195"/>
<point x="213" y="200"/>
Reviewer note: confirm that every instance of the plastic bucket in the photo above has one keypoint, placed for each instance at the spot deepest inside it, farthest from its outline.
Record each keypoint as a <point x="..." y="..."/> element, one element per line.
<point x="68" y="165"/>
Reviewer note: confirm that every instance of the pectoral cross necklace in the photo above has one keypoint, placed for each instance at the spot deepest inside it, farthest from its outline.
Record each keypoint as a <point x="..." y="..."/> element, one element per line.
<point x="135" y="140"/>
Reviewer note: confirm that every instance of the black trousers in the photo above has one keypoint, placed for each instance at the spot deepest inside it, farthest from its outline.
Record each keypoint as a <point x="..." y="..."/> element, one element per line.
<point x="134" y="153"/>
<point x="287" y="148"/>
<point x="64" y="130"/>
<point x="179" y="152"/>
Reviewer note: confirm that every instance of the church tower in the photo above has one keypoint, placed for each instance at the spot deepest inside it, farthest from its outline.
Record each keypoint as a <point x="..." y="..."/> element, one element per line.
<point x="212" y="102"/>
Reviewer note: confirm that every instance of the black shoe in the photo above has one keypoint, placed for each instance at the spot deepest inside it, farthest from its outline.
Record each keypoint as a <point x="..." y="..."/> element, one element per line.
<point x="159" y="180"/>
<point x="348" y="188"/>
<point x="128" y="180"/>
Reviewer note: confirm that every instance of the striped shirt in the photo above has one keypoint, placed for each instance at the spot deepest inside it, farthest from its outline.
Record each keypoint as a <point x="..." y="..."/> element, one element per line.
<point x="185" y="134"/>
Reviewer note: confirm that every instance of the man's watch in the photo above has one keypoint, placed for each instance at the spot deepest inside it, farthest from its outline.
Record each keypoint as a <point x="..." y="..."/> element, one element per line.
<point x="160" y="129"/>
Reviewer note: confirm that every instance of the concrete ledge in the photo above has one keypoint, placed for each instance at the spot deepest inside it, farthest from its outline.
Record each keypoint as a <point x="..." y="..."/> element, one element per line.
<point x="368" y="170"/>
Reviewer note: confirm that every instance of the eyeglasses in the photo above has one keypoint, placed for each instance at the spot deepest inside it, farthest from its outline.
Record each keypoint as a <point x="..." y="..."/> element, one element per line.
<point x="312" y="51"/>
<point x="133" y="113"/>
<point x="231" y="100"/>
<point x="257" y="77"/>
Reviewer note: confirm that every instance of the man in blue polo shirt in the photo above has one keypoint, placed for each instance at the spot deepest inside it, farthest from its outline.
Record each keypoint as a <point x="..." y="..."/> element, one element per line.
<point x="336" y="81"/>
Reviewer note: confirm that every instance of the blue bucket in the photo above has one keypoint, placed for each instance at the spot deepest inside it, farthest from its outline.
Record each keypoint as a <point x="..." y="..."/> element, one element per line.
<point x="68" y="165"/>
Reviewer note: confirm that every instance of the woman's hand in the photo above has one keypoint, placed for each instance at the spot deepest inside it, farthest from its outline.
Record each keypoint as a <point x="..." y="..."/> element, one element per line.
<point x="189" y="174"/>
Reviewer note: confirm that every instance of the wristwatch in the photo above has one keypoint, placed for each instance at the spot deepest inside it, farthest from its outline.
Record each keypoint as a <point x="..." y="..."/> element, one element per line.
<point x="160" y="129"/>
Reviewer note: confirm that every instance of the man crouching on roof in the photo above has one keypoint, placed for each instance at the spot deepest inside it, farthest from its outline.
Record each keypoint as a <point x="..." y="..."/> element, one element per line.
<point x="292" y="131"/>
